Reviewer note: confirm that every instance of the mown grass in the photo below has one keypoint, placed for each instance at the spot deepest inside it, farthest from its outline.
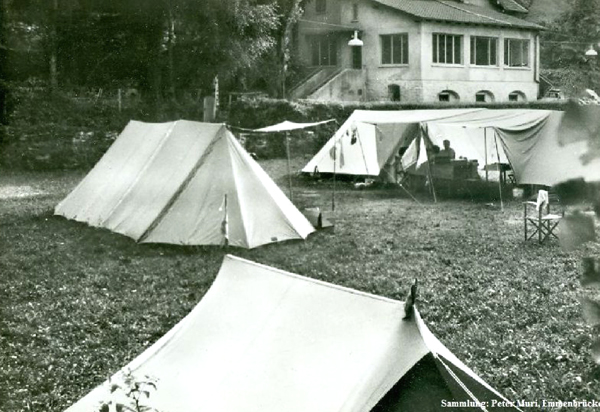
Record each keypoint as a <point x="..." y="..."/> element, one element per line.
<point x="77" y="302"/>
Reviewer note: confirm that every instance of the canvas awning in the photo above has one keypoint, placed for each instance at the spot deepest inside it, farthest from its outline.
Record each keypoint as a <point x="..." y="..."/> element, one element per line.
<point x="287" y="126"/>
<point x="527" y="139"/>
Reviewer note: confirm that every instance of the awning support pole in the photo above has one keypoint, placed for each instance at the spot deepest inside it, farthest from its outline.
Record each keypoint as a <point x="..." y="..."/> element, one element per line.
<point x="334" y="170"/>
<point x="429" y="175"/>
<point x="499" y="172"/>
<point x="485" y="149"/>
<point x="289" y="169"/>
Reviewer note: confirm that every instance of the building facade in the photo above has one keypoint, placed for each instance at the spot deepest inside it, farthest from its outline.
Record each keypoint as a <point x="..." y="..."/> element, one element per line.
<point x="418" y="51"/>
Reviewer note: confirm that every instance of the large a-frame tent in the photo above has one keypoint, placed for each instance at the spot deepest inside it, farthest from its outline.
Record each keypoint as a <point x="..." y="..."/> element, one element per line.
<point x="264" y="340"/>
<point x="185" y="183"/>
<point x="369" y="141"/>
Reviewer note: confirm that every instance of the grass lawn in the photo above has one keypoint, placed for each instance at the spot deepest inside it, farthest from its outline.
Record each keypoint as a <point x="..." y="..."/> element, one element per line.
<point x="76" y="303"/>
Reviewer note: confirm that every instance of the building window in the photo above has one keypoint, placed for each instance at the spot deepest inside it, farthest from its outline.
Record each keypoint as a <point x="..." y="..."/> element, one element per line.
<point x="517" y="96"/>
<point x="394" y="92"/>
<point x="323" y="51"/>
<point x="447" y="48"/>
<point x="484" y="51"/>
<point x="484" y="96"/>
<point x="321" y="6"/>
<point x="516" y="53"/>
<point x="448" y="96"/>
<point x="394" y="49"/>
<point x="355" y="12"/>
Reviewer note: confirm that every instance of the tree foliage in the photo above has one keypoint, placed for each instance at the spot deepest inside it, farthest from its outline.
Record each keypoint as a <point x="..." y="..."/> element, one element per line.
<point x="564" y="44"/>
<point x="154" y="45"/>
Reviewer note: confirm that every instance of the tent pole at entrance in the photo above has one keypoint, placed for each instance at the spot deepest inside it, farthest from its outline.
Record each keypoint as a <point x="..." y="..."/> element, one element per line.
<point x="431" y="181"/>
<point x="334" y="166"/>
<point x="499" y="172"/>
<point x="225" y="223"/>
<point x="289" y="171"/>
<point x="485" y="149"/>
<point x="429" y="170"/>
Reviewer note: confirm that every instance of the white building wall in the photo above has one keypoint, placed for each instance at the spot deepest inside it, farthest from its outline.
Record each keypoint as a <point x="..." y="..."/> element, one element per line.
<point x="421" y="80"/>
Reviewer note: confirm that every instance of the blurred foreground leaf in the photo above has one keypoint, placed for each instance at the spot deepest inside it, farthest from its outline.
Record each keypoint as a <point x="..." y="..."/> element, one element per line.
<point x="595" y="349"/>
<point x="591" y="311"/>
<point x="591" y="272"/>
<point x="575" y="230"/>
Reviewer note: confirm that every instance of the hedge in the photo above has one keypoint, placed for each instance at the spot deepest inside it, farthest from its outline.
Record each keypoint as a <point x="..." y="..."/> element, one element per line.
<point x="72" y="130"/>
<point x="68" y="130"/>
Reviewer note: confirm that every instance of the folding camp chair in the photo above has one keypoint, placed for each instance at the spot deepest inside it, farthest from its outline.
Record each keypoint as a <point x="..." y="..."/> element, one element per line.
<point x="542" y="222"/>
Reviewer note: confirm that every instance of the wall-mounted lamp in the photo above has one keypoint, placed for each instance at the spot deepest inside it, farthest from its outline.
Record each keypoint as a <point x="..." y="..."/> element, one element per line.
<point x="591" y="52"/>
<point x="355" y="41"/>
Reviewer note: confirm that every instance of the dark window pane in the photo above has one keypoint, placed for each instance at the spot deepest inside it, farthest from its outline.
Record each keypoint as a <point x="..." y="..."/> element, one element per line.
<point x="516" y="53"/>
<point x="435" y="48"/>
<point x="314" y="46"/>
<point x="386" y="49"/>
<point x="457" y="49"/>
<point x="324" y="52"/>
<point x="449" y="49"/>
<point x="332" y="52"/>
<point x="397" y="49"/>
<point x="405" y="49"/>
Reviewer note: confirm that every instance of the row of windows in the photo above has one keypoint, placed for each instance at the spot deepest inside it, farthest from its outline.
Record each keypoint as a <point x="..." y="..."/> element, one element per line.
<point x="451" y="96"/>
<point x="447" y="49"/>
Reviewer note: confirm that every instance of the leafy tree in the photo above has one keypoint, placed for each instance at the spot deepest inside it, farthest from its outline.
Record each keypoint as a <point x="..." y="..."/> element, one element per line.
<point x="156" y="45"/>
<point x="564" y="45"/>
<point x="224" y="38"/>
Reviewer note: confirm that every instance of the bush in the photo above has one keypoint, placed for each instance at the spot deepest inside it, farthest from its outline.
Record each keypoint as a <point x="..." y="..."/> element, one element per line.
<point x="73" y="129"/>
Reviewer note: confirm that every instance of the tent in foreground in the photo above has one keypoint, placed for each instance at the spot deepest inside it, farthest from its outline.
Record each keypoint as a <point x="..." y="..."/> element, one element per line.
<point x="186" y="183"/>
<point x="266" y="340"/>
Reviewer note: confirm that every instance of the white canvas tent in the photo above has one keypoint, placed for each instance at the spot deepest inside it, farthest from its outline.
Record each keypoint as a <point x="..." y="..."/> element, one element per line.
<point x="185" y="183"/>
<point x="264" y="340"/>
<point x="369" y="139"/>
<point x="527" y="139"/>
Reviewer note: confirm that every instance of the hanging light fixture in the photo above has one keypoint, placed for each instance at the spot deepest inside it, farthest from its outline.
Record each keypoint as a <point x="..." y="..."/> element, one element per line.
<point x="355" y="41"/>
<point x="591" y="51"/>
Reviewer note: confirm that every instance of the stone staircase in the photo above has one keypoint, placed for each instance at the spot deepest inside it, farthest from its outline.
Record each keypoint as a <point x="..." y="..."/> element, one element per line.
<point x="329" y="84"/>
<point x="313" y="82"/>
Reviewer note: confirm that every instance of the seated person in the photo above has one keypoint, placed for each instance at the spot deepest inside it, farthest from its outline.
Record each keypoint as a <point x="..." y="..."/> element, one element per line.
<point x="447" y="153"/>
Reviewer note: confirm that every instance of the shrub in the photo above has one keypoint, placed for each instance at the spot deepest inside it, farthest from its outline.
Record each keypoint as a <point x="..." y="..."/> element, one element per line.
<point x="73" y="129"/>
